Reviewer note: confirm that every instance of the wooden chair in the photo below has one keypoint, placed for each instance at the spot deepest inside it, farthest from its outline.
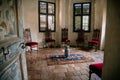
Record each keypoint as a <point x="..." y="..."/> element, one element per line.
<point x="65" y="39"/>
<point x="28" y="41"/>
<point x="95" y="68"/>
<point x="80" y="39"/>
<point x="48" y="38"/>
<point x="95" y="40"/>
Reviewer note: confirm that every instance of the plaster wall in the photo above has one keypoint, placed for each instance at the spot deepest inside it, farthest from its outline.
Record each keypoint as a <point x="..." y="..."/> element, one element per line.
<point x="111" y="67"/>
<point x="64" y="18"/>
<point x="30" y="20"/>
<point x="103" y="28"/>
<point x="30" y="17"/>
<point x="98" y="14"/>
<point x="73" y="35"/>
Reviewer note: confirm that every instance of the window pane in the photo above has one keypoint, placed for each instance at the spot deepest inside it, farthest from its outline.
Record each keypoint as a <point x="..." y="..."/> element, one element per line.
<point x="51" y="8"/>
<point x="77" y="22"/>
<point x="85" y="23"/>
<point x="86" y="8"/>
<point x="77" y="8"/>
<point x="42" y="7"/>
<point x="46" y="16"/>
<point x="51" y="22"/>
<point x="42" y="22"/>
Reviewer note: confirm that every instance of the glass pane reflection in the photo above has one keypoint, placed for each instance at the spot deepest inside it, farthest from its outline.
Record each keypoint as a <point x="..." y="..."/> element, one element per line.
<point x="86" y="8"/>
<point x="51" y="22"/>
<point x="85" y="23"/>
<point x="51" y="8"/>
<point x="77" y="22"/>
<point x="43" y="22"/>
<point x="42" y="7"/>
<point x="77" y="8"/>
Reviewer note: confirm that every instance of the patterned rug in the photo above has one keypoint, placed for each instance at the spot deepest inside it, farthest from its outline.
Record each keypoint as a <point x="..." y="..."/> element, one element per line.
<point x="59" y="59"/>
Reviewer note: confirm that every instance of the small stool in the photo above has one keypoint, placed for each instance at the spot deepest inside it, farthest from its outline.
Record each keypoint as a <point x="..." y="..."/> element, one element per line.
<point x="95" y="68"/>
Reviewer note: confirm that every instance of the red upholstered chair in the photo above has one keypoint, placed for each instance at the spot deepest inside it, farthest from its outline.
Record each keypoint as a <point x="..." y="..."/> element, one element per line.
<point x="65" y="39"/>
<point x="95" y="68"/>
<point x="48" y="38"/>
<point x="95" y="40"/>
<point x="28" y="41"/>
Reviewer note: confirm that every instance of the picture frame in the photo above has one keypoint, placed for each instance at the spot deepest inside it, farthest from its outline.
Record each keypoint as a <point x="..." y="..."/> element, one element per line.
<point x="8" y="21"/>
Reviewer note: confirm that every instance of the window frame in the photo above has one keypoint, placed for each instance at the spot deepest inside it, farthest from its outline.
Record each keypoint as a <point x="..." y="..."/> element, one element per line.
<point x="47" y="15"/>
<point x="81" y="15"/>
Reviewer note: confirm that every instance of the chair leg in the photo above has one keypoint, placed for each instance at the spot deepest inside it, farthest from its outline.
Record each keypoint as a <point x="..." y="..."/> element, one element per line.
<point x="76" y="44"/>
<point x="54" y="44"/>
<point x="47" y="45"/>
<point x="30" y="49"/>
<point x="37" y="48"/>
<point x="96" y="47"/>
<point x="68" y="43"/>
<point x="90" y="72"/>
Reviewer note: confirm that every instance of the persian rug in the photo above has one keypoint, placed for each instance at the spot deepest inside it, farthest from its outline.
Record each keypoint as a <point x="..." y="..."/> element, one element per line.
<point x="59" y="59"/>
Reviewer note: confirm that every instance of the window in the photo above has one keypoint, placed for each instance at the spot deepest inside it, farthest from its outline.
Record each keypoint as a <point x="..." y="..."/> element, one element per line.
<point x="81" y="16"/>
<point x="46" y="16"/>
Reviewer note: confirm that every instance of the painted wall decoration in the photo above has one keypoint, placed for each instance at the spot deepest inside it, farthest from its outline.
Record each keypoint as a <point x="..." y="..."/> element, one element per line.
<point x="17" y="69"/>
<point x="8" y="19"/>
<point x="1" y="58"/>
<point x="12" y="71"/>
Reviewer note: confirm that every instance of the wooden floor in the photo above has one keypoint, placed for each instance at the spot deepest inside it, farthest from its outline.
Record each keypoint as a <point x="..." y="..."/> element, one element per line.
<point x="39" y="70"/>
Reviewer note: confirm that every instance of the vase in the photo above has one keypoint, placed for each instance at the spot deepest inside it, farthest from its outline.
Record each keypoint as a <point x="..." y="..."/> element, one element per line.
<point x="67" y="51"/>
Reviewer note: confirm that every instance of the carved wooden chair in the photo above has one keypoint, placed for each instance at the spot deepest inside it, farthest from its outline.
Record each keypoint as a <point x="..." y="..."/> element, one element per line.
<point x="95" y="39"/>
<point x="65" y="39"/>
<point x="80" y="39"/>
<point x="48" y="38"/>
<point x="28" y="40"/>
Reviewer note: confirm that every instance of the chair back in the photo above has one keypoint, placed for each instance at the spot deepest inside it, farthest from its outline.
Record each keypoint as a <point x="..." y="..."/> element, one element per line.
<point x="80" y="37"/>
<point x="27" y="35"/>
<point x="48" y="35"/>
<point x="96" y="34"/>
<point x="64" y="34"/>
